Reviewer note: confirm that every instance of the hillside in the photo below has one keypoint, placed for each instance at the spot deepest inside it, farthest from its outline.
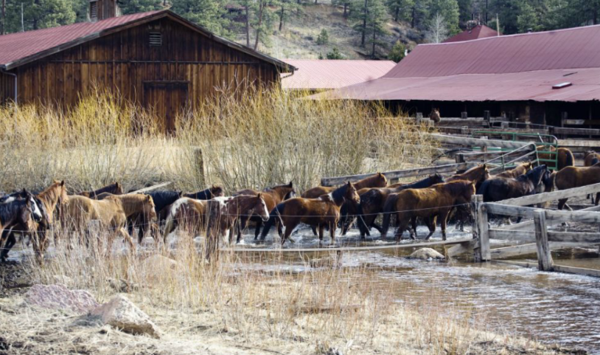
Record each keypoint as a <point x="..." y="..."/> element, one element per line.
<point x="298" y="39"/>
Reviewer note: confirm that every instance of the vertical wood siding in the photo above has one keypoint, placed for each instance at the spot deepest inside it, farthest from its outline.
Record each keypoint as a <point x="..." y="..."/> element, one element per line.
<point x="125" y="60"/>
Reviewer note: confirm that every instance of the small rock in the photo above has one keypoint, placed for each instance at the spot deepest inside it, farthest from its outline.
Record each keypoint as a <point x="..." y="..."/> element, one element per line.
<point x="60" y="297"/>
<point x="426" y="254"/>
<point x="122" y="314"/>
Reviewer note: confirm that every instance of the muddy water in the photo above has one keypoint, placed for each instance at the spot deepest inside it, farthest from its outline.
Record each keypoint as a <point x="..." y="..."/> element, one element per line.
<point x="550" y="307"/>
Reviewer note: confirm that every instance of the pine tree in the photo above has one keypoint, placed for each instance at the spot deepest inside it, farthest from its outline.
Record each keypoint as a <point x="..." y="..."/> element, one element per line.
<point x="135" y="6"/>
<point x="369" y="20"/>
<point x="209" y="14"/>
<point x="39" y="14"/>
<point x="449" y="10"/>
<point x="397" y="52"/>
<point x="344" y="3"/>
<point x="399" y="9"/>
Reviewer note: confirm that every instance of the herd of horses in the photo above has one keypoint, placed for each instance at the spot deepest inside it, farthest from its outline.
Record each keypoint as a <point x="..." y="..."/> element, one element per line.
<point x="209" y="211"/>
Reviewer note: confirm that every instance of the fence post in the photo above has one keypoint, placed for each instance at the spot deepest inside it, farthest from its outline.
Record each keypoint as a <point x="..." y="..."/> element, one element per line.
<point x="480" y="229"/>
<point x="545" y="262"/>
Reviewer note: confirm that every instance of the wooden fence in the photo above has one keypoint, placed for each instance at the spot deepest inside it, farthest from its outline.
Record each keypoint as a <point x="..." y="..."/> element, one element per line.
<point x="533" y="236"/>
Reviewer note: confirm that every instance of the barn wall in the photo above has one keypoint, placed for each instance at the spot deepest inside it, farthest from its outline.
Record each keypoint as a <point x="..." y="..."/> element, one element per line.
<point x="7" y="88"/>
<point x="125" y="60"/>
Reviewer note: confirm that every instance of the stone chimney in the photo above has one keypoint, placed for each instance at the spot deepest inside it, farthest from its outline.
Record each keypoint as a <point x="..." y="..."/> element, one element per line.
<point x="103" y="9"/>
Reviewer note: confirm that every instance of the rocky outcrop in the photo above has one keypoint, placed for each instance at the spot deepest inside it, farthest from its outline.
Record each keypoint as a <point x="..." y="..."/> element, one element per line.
<point x="426" y="254"/>
<point x="122" y="314"/>
<point x="60" y="297"/>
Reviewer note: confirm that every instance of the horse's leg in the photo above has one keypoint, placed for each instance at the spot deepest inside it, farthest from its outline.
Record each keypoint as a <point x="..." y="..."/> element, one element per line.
<point x="332" y="228"/>
<point x="259" y="224"/>
<point x="288" y="231"/>
<point x="413" y="223"/>
<point x="4" y="244"/>
<point x="314" y="230"/>
<point x="431" y="222"/>
<point x="402" y="224"/>
<point x="444" y="222"/>
<point x="321" y="228"/>
<point x="562" y="203"/>
<point x="128" y="239"/>
<point x="595" y="202"/>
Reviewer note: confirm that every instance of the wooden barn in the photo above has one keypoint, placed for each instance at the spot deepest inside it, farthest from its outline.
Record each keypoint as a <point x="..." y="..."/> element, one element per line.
<point x="157" y="59"/>
<point x="544" y="78"/>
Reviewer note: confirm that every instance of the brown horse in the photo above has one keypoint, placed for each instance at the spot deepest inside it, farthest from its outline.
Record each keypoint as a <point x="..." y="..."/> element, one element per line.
<point x="115" y="189"/>
<point x="372" y="201"/>
<point x="229" y="211"/>
<point x="272" y="196"/>
<point x="478" y="175"/>
<point x="188" y="214"/>
<point x="516" y="172"/>
<point x="377" y="180"/>
<point x="23" y="212"/>
<point x="428" y="203"/>
<point x="316" y="212"/>
<point x="565" y="156"/>
<point x="572" y="176"/>
<point x="111" y="213"/>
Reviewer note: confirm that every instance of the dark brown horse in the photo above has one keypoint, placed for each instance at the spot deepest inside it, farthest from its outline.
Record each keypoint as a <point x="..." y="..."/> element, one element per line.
<point x="318" y="212"/>
<point x="188" y="214"/>
<point x="272" y="196"/>
<point x="372" y="201"/>
<point x="377" y="180"/>
<point x="564" y="156"/>
<point x="572" y="176"/>
<point x="434" y="115"/>
<point x="591" y="158"/>
<point x="428" y="204"/>
<point x="478" y="175"/>
<point x="115" y="189"/>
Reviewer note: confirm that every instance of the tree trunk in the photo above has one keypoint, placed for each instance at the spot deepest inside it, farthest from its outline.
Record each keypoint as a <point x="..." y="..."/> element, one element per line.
<point x="374" y="37"/>
<point x="247" y="25"/>
<point x="3" y="28"/>
<point x="260" y="19"/>
<point x="364" y="26"/>
<point x="413" y="17"/>
<point x="345" y="10"/>
<point x="281" y="18"/>
<point x="397" y="14"/>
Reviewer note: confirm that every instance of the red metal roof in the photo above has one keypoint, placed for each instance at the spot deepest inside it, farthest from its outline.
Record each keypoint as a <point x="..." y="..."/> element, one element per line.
<point x="16" y="46"/>
<point x="479" y="31"/>
<point x="332" y="74"/>
<point x="19" y="48"/>
<point x="507" y="68"/>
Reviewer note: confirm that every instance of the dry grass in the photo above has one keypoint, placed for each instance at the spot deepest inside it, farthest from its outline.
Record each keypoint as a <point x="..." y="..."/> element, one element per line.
<point x="259" y="140"/>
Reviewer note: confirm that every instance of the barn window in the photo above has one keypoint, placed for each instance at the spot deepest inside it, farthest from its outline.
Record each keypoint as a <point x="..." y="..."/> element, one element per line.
<point x="155" y="39"/>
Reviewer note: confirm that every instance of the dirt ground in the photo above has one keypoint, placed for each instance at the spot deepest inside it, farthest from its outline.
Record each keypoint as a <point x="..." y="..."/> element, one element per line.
<point x="26" y="329"/>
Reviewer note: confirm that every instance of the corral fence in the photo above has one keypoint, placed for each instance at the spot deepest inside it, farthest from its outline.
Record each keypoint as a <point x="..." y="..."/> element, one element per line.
<point x="533" y="236"/>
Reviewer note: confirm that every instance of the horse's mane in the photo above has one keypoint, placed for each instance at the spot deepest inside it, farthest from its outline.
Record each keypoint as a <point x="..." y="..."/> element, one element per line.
<point x="339" y="193"/>
<point x="455" y="187"/>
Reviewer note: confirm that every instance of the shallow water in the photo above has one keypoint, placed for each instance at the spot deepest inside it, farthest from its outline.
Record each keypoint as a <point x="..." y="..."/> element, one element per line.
<point x="553" y="308"/>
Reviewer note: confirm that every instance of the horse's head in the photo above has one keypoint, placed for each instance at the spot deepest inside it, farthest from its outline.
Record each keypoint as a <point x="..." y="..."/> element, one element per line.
<point x="380" y="180"/>
<point x="60" y="189"/>
<point x="32" y="209"/>
<point x="292" y="192"/>
<point x="589" y="153"/>
<point x="436" y="179"/>
<point x="148" y="208"/>
<point x="285" y="191"/>
<point x="118" y="189"/>
<point x="537" y="174"/>
<point x="216" y="191"/>
<point x="260" y="208"/>
<point x="527" y="166"/>
<point x="434" y="115"/>
<point x="352" y="194"/>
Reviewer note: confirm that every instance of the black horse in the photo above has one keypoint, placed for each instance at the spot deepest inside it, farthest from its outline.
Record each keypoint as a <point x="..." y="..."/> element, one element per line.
<point x="498" y="189"/>
<point x="16" y="214"/>
<point x="210" y="193"/>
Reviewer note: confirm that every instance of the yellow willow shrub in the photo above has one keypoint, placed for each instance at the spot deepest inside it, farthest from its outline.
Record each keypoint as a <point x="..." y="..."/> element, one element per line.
<point x="253" y="140"/>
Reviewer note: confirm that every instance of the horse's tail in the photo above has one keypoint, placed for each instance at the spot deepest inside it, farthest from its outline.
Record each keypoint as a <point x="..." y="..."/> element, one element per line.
<point x="388" y="208"/>
<point x="274" y="217"/>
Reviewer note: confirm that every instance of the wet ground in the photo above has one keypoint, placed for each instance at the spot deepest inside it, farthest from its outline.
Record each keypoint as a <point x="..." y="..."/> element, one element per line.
<point x="553" y="308"/>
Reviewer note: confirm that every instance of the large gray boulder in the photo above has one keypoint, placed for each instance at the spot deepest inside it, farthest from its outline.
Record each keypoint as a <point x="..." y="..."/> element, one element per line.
<point x="426" y="254"/>
<point x="122" y="314"/>
<point x="60" y="297"/>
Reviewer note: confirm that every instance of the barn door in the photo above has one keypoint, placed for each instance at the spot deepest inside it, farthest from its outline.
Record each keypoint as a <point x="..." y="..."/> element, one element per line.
<point x="166" y="99"/>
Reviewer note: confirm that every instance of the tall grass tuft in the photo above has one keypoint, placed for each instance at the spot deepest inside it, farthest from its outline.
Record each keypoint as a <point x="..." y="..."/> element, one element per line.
<point x="254" y="141"/>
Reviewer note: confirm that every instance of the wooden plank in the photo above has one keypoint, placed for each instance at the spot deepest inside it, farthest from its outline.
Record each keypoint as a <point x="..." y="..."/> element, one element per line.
<point x="483" y="229"/>
<point x="553" y="236"/>
<point x="552" y="196"/>
<point x="477" y="142"/>
<point x="514" y="235"/>
<point x="512" y="211"/>
<point x="530" y="248"/>
<point x="529" y="224"/>
<point x="462" y="248"/>
<point x="545" y="262"/>
<point x="161" y="186"/>
<point x="390" y="246"/>
<point x="558" y="268"/>
<point x="397" y="174"/>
